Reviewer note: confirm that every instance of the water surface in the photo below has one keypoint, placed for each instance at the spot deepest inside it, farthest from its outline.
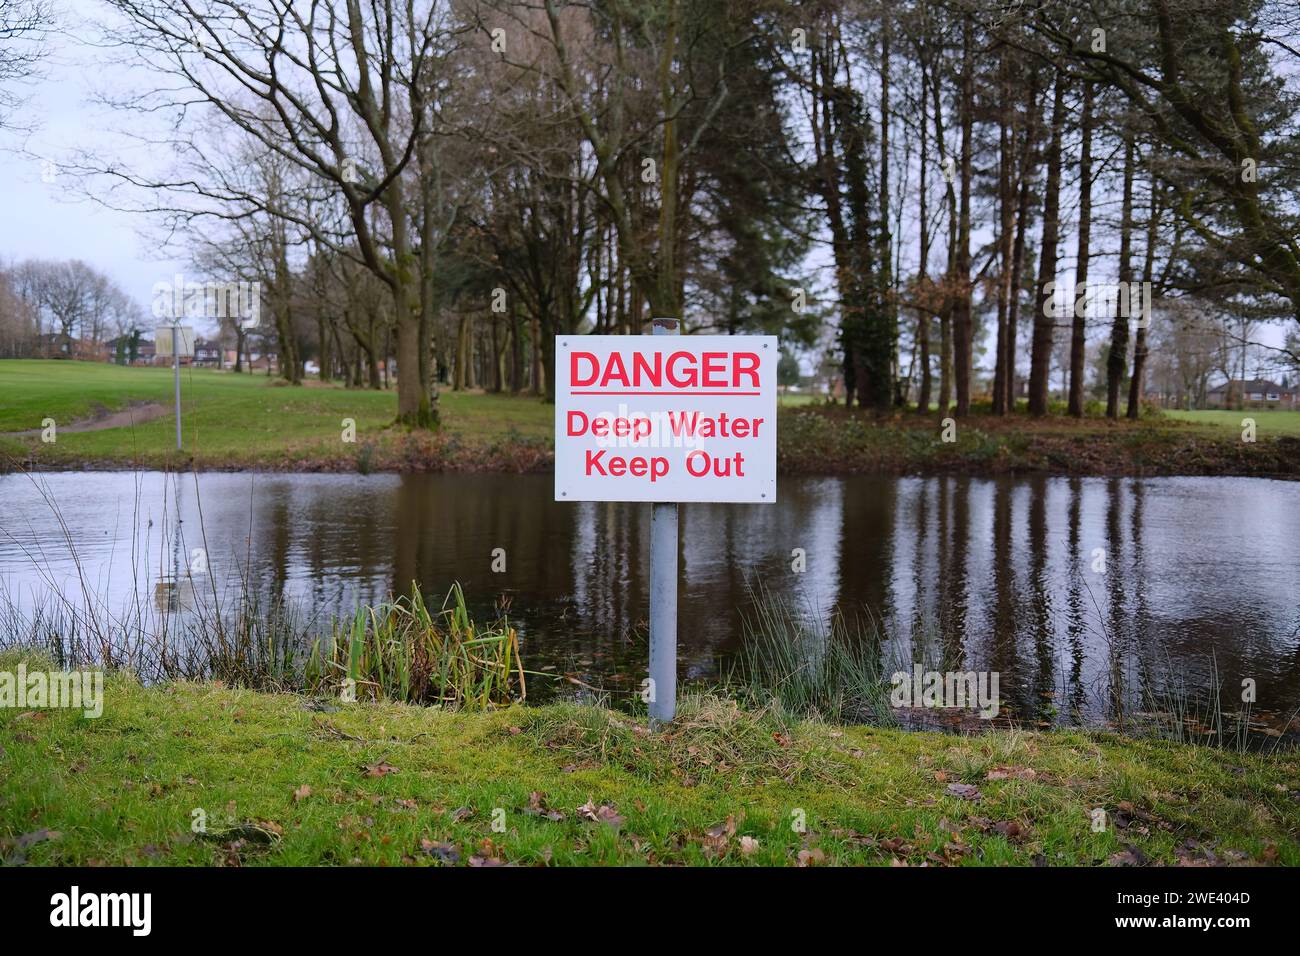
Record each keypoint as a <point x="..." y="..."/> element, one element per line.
<point x="1082" y="593"/>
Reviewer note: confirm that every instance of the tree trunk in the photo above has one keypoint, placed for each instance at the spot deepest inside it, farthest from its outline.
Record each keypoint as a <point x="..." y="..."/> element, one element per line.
<point x="1116" y="360"/>
<point x="1148" y="274"/>
<point x="536" y="338"/>
<point x="1078" y="332"/>
<point x="499" y="344"/>
<point x="950" y="278"/>
<point x="922" y="270"/>
<point x="963" y="326"/>
<point x="1040" y="362"/>
<point x="429" y="300"/>
<point x="1006" y="241"/>
<point x="666" y="303"/>
<point x="323" y="352"/>
<point x="1024" y="213"/>
<point x="462" y="358"/>
<point x="516" y="351"/>
<point x="885" y="331"/>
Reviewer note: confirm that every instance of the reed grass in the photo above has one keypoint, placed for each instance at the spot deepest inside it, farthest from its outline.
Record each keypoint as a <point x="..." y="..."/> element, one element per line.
<point x="400" y="650"/>
<point x="832" y="669"/>
<point x="395" y="650"/>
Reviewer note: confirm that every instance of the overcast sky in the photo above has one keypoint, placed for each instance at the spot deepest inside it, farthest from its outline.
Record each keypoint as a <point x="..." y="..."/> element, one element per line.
<point x="50" y="219"/>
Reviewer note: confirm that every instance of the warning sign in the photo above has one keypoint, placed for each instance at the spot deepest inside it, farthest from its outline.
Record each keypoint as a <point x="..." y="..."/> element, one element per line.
<point x="665" y="418"/>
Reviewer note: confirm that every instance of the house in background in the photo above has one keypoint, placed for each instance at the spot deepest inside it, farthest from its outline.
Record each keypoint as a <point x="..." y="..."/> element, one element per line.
<point x="56" y="345"/>
<point x="208" y="353"/>
<point x="1258" y="392"/>
<point x="119" y="351"/>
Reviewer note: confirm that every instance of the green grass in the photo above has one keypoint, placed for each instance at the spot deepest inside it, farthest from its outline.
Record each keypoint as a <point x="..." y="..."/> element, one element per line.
<point x="796" y="399"/>
<point x="235" y="420"/>
<point x="1268" y="422"/>
<point x="280" y="782"/>
<point x="243" y="421"/>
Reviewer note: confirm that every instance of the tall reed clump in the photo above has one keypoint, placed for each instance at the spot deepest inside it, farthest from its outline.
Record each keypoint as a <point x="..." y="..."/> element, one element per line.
<point x="400" y="650"/>
<point x="833" y="671"/>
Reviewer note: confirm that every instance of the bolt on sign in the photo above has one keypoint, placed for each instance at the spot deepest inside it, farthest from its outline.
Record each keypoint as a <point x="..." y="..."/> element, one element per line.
<point x="666" y="418"/>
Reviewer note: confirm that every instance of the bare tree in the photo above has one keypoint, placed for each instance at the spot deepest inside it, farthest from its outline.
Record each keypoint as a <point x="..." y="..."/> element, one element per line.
<point x="24" y="25"/>
<point x="343" y="93"/>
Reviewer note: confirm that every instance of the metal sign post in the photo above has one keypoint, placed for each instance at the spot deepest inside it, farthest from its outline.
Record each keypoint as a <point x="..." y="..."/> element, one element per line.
<point x="663" y="593"/>
<point x="176" y="365"/>
<point x="665" y="421"/>
<point x="175" y="340"/>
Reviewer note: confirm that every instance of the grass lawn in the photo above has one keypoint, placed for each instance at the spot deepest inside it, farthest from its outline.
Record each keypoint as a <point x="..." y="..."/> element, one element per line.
<point x="795" y="399"/>
<point x="1268" y="422"/>
<point x="278" y="782"/>
<point x="240" y="421"/>
<point x="232" y="420"/>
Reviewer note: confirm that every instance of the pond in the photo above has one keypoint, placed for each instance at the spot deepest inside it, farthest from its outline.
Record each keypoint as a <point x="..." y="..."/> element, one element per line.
<point x="1078" y="591"/>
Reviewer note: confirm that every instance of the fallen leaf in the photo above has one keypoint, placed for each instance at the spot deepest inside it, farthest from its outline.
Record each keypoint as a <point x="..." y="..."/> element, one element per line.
<point x="381" y="769"/>
<point x="964" y="791"/>
<point x="442" y="852"/>
<point x="811" y="857"/>
<point x="853" y="837"/>
<point x="302" y="793"/>
<point x="1010" y="829"/>
<point x="748" y="846"/>
<point x="726" y="828"/>
<point x="605" y="813"/>
<point x="1129" y="856"/>
<point x="36" y="836"/>
<point x="537" y="807"/>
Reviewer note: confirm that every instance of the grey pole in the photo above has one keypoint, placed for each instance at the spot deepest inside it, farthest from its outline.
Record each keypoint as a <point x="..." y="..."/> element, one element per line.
<point x="663" y="594"/>
<point x="176" y="365"/>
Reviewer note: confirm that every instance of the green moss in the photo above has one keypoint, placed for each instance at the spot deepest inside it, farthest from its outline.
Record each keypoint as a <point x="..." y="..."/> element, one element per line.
<point x="285" y="781"/>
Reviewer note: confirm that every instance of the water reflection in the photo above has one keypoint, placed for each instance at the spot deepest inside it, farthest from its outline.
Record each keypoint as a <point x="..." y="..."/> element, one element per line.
<point x="1085" y="594"/>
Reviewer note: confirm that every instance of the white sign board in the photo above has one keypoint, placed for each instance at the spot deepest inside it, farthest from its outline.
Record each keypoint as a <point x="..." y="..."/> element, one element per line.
<point x="162" y="340"/>
<point x="665" y="418"/>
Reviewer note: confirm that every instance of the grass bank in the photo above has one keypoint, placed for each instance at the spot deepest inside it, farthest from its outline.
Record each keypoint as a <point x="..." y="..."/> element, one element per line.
<point x="245" y="421"/>
<point x="250" y="421"/>
<point x="281" y="779"/>
<point x="829" y="440"/>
